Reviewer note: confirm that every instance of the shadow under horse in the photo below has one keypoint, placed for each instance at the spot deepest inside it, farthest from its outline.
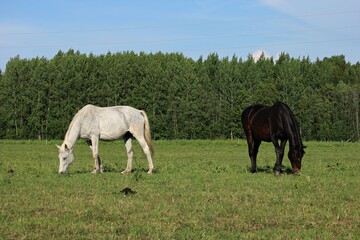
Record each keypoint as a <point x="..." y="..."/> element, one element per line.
<point x="274" y="124"/>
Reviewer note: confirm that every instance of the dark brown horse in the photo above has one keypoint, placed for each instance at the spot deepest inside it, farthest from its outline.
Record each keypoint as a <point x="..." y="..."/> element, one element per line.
<point x="273" y="124"/>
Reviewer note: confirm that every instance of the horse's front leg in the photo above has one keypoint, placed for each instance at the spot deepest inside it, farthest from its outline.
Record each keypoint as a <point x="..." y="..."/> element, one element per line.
<point x="95" y="152"/>
<point x="282" y="147"/>
<point x="98" y="168"/>
<point x="279" y="149"/>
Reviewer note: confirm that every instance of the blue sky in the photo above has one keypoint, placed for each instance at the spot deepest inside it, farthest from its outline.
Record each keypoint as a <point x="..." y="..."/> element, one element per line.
<point x="196" y="28"/>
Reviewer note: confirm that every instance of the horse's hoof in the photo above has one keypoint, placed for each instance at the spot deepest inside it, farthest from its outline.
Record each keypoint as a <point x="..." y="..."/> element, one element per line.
<point x="150" y="171"/>
<point x="96" y="171"/>
<point x="125" y="171"/>
<point x="277" y="173"/>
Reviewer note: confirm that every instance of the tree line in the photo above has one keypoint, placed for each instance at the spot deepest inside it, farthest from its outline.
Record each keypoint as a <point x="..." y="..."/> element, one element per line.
<point x="184" y="98"/>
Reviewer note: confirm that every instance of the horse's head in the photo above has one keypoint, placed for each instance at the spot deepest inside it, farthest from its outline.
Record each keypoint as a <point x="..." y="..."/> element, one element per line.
<point x="66" y="157"/>
<point x="295" y="155"/>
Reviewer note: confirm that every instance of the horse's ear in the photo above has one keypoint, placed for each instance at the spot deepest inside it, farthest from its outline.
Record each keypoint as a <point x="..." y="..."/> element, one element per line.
<point x="57" y="146"/>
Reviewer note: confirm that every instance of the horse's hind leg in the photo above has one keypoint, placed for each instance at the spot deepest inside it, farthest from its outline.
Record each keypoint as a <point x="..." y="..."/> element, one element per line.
<point x="253" y="147"/>
<point x="256" y="150"/>
<point x="129" y="151"/>
<point x="147" y="152"/>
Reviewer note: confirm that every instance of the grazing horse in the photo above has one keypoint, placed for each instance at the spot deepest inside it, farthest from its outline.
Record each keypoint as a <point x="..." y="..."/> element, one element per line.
<point x="94" y="123"/>
<point x="273" y="124"/>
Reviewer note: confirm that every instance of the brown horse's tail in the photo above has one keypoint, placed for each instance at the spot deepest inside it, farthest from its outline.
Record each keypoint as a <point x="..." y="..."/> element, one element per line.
<point x="147" y="133"/>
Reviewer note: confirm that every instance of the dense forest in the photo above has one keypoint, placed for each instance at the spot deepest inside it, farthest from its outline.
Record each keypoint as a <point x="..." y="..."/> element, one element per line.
<point x="184" y="98"/>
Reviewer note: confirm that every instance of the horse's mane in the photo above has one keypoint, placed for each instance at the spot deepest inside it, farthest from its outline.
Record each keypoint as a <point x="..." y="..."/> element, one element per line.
<point x="296" y="142"/>
<point x="73" y="131"/>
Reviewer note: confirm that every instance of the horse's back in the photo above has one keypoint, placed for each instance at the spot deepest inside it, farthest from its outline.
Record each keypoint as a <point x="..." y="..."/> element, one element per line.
<point x="108" y="122"/>
<point x="255" y="122"/>
<point x="262" y="122"/>
<point x="125" y="114"/>
<point x="110" y="111"/>
<point x="250" y="112"/>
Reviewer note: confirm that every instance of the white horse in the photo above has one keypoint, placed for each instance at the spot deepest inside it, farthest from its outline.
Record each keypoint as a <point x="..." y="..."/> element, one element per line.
<point x="94" y="123"/>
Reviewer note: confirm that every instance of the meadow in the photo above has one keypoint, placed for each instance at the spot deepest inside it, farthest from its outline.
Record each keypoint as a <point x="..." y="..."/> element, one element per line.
<point x="200" y="190"/>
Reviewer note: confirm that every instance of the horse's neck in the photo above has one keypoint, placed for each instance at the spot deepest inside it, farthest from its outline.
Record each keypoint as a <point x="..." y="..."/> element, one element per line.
<point x="72" y="133"/>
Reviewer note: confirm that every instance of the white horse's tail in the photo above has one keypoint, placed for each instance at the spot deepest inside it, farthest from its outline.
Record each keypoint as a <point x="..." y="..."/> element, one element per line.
<point x="147" y="133"/>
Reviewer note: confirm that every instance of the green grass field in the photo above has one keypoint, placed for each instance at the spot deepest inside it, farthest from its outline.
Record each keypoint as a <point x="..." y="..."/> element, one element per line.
<point x="200" y="190"/>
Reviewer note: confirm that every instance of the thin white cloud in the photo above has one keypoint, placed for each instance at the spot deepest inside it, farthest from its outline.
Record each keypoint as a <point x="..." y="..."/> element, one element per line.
<point x="10" y="32"/>
<point x="306" y="9"/>
<point x="277" y="4"/>
<point x="310" y="6"/>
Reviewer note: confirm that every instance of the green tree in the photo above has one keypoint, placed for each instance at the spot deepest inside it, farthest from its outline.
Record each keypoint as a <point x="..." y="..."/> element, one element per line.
<point x="38" y="91"/>
<point x="184" y="98"/>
